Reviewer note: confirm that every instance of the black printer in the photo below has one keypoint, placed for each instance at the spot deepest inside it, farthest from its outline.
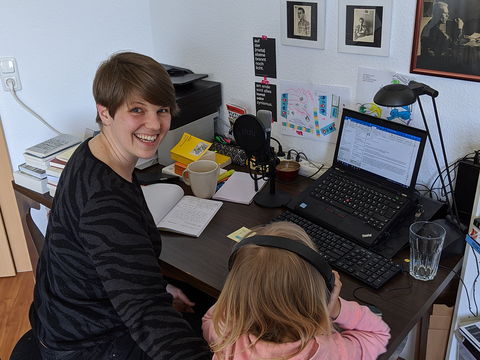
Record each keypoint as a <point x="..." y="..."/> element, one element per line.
<point x="199" y="101"/>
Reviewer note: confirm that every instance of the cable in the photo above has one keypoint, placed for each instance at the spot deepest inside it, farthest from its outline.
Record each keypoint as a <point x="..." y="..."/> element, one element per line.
<point x="11" y="85"/>
<point x="476" y="278"/>
<point x="303" y="179"/>
<point x="223" y="122"/>
<point x="280" y="150"/>
<point x="386" y="290"/>
<point x="466" y="290"/>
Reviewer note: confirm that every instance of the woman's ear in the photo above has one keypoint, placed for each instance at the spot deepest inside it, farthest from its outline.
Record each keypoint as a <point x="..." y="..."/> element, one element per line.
<point x="104" y="115"/>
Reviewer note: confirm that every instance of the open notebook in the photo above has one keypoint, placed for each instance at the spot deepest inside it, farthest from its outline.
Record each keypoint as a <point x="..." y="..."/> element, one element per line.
<point x="239" y="188"/>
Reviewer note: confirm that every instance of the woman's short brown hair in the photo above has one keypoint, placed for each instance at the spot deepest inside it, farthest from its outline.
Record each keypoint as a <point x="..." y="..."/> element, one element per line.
<point x="128" y="76"/>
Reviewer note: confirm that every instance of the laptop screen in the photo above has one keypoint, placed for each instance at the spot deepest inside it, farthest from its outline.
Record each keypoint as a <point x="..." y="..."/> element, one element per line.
<point x="379" y="148"/>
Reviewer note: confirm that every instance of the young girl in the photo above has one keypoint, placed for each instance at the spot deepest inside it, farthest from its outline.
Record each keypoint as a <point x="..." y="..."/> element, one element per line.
<point x="275" y="305"/>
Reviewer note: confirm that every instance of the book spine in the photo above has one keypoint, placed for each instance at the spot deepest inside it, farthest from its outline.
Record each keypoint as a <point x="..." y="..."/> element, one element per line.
<point x="32" y="170"/>
<point x="42" y="166"/>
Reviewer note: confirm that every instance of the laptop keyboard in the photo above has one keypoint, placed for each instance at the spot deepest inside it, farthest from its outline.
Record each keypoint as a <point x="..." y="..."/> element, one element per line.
<point x="369" y="205"/>
<point x="342" y="254"/>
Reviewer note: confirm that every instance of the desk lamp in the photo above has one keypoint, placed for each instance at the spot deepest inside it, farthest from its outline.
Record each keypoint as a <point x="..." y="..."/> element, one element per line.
<point x="396" y="95"/>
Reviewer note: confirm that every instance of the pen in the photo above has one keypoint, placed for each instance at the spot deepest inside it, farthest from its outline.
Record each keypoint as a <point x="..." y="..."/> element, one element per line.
<point x="220" y="183"/>
<point x="225" y="174"/>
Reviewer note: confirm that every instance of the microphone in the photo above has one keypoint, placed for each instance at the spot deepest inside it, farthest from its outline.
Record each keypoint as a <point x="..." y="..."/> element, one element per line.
<point x="420" y="89"/>
<point x="265" y="116"/>
<point x="262" y="156"/>
<point x="252" y="133"/>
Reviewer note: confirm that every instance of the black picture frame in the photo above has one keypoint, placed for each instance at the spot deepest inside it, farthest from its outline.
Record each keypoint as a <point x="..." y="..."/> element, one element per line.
<point x="374" y="25"/>
<point x="311" y="12"/>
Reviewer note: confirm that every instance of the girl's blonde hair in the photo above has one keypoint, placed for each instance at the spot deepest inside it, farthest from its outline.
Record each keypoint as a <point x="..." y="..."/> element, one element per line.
<point x="272" y="294"/>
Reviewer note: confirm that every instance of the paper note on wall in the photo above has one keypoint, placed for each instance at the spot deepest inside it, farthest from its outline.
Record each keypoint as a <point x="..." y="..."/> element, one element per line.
<point x="312" y="111"/>
<point x="369" y="81"/>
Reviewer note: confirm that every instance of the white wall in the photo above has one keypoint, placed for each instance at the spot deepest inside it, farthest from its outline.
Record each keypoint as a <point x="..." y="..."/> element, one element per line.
<point x="59" y="44"/>
<point x="215" y="37"/>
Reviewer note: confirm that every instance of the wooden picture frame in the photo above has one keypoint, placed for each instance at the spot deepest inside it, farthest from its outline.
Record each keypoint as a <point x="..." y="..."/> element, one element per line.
<point x="364" y="26"/>
<point x="454" y="56"/>
<point x="303" y="23"/>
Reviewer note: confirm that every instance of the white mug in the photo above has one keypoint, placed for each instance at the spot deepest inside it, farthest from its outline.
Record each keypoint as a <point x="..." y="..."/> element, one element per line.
<point x="202" y="177"/>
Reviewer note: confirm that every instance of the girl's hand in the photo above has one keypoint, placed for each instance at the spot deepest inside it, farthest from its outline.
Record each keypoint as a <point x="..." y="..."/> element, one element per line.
<point x="180" y="301"/>
<point x="334" y="302"/>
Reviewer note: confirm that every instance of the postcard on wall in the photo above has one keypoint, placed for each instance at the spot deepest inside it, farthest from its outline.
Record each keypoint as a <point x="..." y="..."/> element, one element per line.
<point x="312" y="111"/>
<point x="369" y="81"/>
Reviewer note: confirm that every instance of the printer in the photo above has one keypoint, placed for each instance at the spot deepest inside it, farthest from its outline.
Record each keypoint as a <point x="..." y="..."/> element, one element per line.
<point x="199" y="101"/>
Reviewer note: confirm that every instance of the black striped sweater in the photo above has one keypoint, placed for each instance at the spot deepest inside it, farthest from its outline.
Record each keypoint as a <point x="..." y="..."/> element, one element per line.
<point x="98" y="275"/>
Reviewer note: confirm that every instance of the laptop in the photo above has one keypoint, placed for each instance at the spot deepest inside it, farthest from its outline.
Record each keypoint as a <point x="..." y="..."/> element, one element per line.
<point x="371" y="183"/>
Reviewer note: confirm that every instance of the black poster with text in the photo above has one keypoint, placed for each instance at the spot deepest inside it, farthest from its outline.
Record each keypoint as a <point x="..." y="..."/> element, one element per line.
<point x="265" y="58"/>
<point x="266" y="98"/>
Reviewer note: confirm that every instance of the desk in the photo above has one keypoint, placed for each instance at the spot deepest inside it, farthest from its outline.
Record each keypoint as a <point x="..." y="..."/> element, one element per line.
<point x="202" y="261"/>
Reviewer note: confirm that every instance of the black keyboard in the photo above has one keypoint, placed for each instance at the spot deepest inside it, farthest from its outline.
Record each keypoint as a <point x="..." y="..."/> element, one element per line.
<point x="342" y="254"/>
<point x="369" y="205"/>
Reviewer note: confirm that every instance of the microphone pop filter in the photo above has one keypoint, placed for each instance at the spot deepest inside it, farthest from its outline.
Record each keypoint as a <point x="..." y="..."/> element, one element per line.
<point x="250" y="133"/>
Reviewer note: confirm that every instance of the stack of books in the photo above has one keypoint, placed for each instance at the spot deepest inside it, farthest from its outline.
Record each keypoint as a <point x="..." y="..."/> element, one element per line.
<point x="190" y="149"/>
<point x="33" y="174"/>
<point x="56" y="167"/>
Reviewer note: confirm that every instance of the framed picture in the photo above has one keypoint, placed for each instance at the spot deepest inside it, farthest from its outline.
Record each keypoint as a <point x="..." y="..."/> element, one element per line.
<point x="446" y="40"/>
<point x="303" y="23"/>
<point x="364" y="26"/>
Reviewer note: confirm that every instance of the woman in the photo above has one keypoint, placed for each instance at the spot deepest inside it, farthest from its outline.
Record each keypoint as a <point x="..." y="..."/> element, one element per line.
<point x="99" y="291"/>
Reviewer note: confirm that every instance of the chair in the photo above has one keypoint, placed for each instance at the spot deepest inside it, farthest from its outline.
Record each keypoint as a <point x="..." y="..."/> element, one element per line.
<point x="26" y="348"/>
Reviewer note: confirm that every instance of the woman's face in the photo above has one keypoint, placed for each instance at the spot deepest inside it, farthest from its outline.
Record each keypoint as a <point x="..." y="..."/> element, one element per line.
<point x="138" y="128"/>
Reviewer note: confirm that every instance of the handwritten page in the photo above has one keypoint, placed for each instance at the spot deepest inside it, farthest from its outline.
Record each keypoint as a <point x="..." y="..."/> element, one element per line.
<point x="239" y="188"/>
<point x="161" y="198"/>
<point x="172" y="211"/>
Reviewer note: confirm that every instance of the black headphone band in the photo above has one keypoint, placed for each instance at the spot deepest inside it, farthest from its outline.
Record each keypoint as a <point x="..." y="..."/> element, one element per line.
<point x="303" y="251"/>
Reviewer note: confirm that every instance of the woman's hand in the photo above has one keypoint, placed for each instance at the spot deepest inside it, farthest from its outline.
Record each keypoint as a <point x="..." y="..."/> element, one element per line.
<point x="180" y="301"/>
<point x="334" y="302"/>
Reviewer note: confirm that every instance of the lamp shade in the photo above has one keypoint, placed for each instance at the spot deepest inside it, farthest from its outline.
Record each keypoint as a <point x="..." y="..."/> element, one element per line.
<point x="394" y="95"/>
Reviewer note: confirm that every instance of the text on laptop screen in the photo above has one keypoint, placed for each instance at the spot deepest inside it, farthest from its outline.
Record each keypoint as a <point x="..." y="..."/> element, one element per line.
<point x="384" y="152"/>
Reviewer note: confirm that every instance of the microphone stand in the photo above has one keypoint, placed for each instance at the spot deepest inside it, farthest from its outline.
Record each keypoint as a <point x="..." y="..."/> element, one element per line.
<point x="271" y="198"/>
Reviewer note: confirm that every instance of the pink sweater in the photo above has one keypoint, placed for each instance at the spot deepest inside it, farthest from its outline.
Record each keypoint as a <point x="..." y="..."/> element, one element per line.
<point x="365" y="337"/>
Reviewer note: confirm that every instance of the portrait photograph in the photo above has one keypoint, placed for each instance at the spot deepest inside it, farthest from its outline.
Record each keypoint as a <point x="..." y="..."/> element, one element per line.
<point x="302" y="20"/>
<point x="303" y="23"/>
<point x="446" y="39"/>
<point x="364" y="26"/>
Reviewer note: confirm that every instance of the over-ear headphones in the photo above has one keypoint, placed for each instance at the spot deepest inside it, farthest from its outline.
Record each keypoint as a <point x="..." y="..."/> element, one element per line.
<point x="302" y="250"/>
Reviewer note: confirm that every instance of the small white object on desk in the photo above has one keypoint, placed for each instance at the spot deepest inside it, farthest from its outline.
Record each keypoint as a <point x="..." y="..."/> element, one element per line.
<point x="239" y="188"/>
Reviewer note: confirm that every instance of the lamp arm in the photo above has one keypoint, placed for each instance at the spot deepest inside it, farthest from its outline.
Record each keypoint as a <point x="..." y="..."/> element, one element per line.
<point x="450" y="182"/>
<point x="433" y="150"/>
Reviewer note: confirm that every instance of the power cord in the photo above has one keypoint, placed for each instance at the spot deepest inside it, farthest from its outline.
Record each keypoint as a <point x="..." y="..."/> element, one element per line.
<point x="386" y="290"/>
<point x="465" y="287"/>
<point x="280" y="150"/>
<point x="11" y="85"/>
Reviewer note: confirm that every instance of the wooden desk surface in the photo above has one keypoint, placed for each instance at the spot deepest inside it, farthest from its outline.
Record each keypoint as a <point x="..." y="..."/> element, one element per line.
<point x="202" y="262"/>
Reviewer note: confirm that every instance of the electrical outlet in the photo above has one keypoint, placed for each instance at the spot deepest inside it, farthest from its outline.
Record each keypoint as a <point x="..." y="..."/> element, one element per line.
<point x="307" y="169"/>
<point x="9" y="70"/>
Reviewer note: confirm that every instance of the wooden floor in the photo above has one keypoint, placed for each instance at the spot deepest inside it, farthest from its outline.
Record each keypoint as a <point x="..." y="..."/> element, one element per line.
<point x="16" y="295"/>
